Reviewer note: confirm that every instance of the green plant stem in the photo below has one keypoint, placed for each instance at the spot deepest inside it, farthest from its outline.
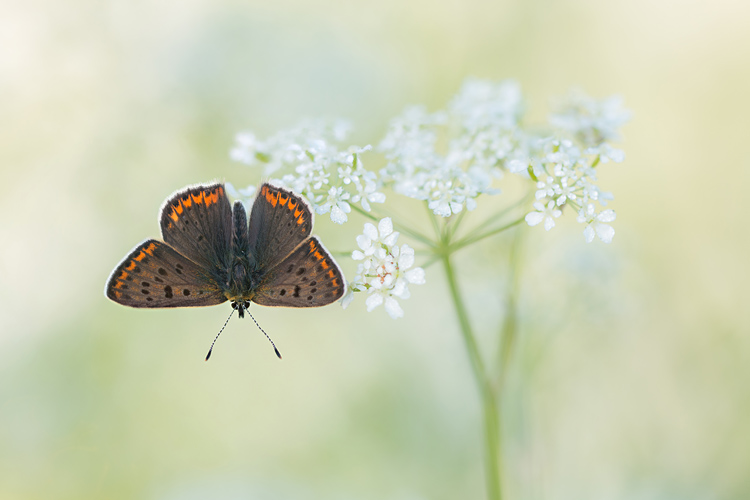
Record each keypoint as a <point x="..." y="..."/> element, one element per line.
<point x="488" y="396"/>
<point x="433" y="220"/>
<point x="454" y="224"/>
<point x="411" y="232"/>
<point x="509" y="332"/>
<point x="473" y="239"/>
<point x="501" y="213"/>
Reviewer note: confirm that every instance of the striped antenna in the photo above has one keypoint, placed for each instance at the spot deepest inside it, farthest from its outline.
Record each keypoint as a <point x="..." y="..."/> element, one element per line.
<point x="217" y="335"/>
<point x="264" y="333"/>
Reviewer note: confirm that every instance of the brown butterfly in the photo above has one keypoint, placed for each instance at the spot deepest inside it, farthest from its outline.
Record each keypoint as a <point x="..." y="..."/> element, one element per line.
<point x="210" y="254"/>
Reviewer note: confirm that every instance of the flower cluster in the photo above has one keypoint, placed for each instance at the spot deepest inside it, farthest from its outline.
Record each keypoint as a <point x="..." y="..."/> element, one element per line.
<point x="479" y="131"/>
<point x="564" y="165"/>
<point x="311" y="163"/>
<point x="564" y="176"/>
<point x="385" y="269"/>
<point x="592" y="122"/>
<point x="482" y="138"/>
<point x="447" y="159"/>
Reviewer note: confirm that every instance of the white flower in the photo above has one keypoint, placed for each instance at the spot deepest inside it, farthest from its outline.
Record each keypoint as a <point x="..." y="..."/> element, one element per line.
<point x="483" y="103"/>
<point x="385" y="271"/>
<point x="353" y="174"/>
<point x="368" y="195"/>
<point x="564" y="191"/>
<point x="335" y="203"/>
<point x="307" y="160"/>
<point x="607" y="153"/>
<point x="592" y="121"/>
<point x="245" y="149"/>
<point x="448" y="158"/>
<point x="375" y="238"/>
<point x="481" y="131"/>
<point x="596" y="223"/>
<point x="245" y="194"/>
<point x="548" y="214"/>
<point x="348" y="296"/>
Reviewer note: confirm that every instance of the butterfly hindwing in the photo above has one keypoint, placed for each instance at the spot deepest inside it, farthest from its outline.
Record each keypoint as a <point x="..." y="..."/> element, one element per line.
<point x="279" y="221"/>
<point x="156" y="275"/>
<point x="308" y="277"/>
<point x="197" y="222"/>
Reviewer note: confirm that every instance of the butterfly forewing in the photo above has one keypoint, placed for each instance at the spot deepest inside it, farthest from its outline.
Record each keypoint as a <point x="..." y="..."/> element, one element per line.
<point x="197" y="222"/>
<point x="308" y="277"/>
<point x="279" y="221"/>
<point x="155" y="275"/>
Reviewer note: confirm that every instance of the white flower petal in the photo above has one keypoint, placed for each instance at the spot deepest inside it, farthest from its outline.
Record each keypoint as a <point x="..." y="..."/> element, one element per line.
<point x="373" y="301"/>
<point x="364" y="242"/>
<point x="605" y="232"/>
<point x="400" y="290"/>
<point x="385" y="227"/>
<point x="441" y="208"/>
<point x="406" y="260"/>
<point x="549" y="223"/>
<point x="348" y="297"/>
<point x="534" y="218"/>
<point x="388" y="280"/>
<point x="391" y="239"/>
<point x="376" y="198"/>
<point x="588" y="233"/>
<point x="337" y="215"/>
<point x="393" y="308"/>
<point x="370" y="231"/>
<point x="415" y="276"/>
<point x="606" y="216"/>
<point x="357" y="255"/>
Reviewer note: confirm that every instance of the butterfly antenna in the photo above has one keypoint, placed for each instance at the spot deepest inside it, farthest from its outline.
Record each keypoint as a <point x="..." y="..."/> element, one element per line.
<point x="217" y="335"/>
<point x="264" y="333"/>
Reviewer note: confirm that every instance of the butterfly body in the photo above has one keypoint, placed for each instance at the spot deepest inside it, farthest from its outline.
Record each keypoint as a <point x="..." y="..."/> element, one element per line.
<point x="211" y="254"/>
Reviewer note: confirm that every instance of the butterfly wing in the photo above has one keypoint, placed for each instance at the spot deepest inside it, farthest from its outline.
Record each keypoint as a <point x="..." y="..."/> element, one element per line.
<point x="197" y="222"/>
<point x="156" y="275"/>
<point x="308" y="277"/>
<point x="279" y="221"/>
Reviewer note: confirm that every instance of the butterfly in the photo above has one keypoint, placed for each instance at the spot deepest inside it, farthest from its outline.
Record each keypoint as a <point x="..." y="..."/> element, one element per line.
<point x="211" y="254"/>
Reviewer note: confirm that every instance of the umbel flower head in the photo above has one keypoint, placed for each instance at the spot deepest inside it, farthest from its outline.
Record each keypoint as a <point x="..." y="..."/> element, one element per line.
<point x="312" y="163"/>
<point x="385" y="271"/>
<point x="480" y="130"/>
<point x="447" y="159"/>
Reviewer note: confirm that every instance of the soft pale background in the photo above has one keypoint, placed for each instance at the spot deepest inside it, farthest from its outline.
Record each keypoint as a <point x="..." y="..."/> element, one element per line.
<point x="632" y="375"/>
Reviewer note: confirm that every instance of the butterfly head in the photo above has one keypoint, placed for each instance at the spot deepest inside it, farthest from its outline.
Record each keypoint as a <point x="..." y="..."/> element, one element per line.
<point x="240" y="306"/>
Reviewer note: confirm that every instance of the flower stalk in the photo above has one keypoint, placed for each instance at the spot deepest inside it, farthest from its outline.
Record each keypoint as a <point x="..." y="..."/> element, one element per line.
<point x="488" y="396"/>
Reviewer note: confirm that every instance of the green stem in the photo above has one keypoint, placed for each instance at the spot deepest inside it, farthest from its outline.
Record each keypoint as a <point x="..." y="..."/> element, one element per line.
<point x="433" y="219"/>
<point x="473" y="239"/>
<point x="500" y="213"/>
<point x="510" y="323"/>
<point x="455" y="223"/>
<point x="488" y="397"/>
<point x="400" y="227"/>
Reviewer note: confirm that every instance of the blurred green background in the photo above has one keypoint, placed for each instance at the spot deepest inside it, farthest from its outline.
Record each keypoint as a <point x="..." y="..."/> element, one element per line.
<point x="631" y="376"/>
